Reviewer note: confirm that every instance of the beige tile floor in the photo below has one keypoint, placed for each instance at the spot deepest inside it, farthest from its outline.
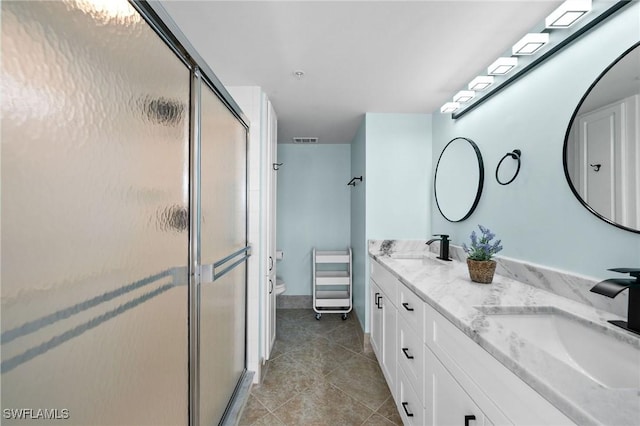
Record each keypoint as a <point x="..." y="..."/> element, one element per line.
<point x="319" y="375"/>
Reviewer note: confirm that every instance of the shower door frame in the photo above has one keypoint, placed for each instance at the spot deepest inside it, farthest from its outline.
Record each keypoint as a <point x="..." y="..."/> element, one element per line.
<point x="156" y="16"/>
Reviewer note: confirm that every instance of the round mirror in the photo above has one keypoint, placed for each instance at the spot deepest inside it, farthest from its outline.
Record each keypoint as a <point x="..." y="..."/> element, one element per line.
<point x="459" y="178"/>
<point x="602" y="144"/>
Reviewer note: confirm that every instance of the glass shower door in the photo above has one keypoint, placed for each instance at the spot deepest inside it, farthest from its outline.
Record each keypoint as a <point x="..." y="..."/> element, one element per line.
<point x="95" y="193"/>
<point x="223" y="195"/>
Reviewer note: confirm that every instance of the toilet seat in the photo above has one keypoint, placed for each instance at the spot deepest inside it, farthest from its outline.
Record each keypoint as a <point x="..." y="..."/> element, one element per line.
<point x="280" y="286"/>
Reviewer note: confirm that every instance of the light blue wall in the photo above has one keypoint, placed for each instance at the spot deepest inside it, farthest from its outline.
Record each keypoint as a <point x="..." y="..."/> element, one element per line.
<point x="537" y="216"/>
<point x="393" y="153"/>
<point x="358" y="221"/>
<point x="398" y="151"/>
<point x="313" y="208"/>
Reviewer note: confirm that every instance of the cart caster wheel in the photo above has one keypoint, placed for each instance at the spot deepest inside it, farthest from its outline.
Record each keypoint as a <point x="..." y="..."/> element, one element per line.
<point x="344" y="317"/>
<point x="318" y="316"/>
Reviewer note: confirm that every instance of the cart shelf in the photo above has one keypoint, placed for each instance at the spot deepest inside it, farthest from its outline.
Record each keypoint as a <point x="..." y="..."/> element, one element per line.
<point x="336" y="273"/>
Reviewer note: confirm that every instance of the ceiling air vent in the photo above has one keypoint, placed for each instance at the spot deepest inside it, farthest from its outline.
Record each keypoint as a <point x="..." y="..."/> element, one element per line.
<point x="305" y="140"/>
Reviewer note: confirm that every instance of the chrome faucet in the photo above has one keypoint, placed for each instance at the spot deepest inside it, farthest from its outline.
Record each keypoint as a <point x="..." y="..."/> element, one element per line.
<point x="444" y="245"/>
<point x="614" y="286"/>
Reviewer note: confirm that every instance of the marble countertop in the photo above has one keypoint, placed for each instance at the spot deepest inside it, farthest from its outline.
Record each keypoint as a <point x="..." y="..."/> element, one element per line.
<point x="447" y="288"/>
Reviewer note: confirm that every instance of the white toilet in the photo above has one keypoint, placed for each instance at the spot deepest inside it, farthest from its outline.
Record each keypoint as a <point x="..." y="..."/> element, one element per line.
<point x="280" y="285"/>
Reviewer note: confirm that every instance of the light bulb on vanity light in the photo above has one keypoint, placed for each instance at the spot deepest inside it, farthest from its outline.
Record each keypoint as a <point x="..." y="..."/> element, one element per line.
<point x="568" y="13"/>
<point x="449" y="107"/>
<point x="502" y="66"/>
<point x="481" y="83"/>
<point x="464" y="96"/>
<point x="530" y="44"/>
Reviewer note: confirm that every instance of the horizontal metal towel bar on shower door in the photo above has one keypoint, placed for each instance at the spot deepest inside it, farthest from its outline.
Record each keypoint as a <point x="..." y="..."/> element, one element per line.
<point x="245" y="252"/>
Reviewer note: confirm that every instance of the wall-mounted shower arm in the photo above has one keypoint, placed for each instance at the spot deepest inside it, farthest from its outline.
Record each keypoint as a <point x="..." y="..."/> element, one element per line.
<point x="352" y="182"/>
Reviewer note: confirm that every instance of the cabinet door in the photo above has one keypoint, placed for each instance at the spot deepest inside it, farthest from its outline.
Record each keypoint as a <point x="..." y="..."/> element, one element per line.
<point x="376" y="318"/>
<point x="270" y="134"/>
<point x="408" y="402"/>
<point x="389" y="342"/>
<point x="271" y="312"/>
<point x="446" y="403"/>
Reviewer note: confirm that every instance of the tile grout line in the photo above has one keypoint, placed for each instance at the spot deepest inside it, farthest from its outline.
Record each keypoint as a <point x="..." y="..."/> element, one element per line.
<point x="355" y="399"/>
<point x="297" y="330"/>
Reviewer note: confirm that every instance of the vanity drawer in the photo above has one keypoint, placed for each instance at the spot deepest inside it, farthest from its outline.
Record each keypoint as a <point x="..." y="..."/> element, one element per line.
<point x="386" y="281"/>
<point x="411" y="356"/>
<point x="411" y="308"/>
<point x="410" y="407"/>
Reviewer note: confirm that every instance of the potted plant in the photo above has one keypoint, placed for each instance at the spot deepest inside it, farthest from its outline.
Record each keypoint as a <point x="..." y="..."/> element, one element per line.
<point x="481" y="266"/>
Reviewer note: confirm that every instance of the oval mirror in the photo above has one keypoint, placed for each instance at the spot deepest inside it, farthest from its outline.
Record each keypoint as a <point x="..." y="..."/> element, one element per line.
<point x="459" y="179"/>
<point x="602" y="144"/>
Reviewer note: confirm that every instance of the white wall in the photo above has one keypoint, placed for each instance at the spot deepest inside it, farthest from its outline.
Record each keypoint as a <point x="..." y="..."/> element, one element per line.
<point x="537" y="216"/>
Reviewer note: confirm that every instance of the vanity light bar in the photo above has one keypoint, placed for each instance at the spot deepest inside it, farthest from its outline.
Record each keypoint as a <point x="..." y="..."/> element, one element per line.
<point x="481" y="82"/>
<point x="502" y="66"/>
<point x="582" y="15"/>
<point x="568" y="13"/>
<point x="464" y="96"/>
<point x="530" y="44"/>
<point x="449" y="107"/>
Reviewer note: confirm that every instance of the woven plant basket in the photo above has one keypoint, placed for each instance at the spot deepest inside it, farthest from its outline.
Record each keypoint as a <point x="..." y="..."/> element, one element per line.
<point x="481" y="271"/>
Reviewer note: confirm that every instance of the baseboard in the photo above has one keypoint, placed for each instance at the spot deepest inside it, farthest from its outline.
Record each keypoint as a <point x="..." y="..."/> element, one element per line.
<point x="364" y="338"/>
<point x="366" y="344"/>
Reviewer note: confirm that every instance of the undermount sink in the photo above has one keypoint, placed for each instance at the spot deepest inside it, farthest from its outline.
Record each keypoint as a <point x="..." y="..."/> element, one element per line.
<point x="408" y="255"/>
<point x="425" y="258"/>
<point x="605" y="356"/>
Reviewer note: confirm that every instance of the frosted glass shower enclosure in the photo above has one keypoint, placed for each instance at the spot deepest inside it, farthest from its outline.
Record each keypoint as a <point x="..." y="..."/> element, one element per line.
<point x="123" y="220"/>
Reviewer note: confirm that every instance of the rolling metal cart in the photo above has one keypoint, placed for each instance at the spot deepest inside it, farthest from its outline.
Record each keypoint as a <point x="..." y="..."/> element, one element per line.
<point x="332" y="282"/>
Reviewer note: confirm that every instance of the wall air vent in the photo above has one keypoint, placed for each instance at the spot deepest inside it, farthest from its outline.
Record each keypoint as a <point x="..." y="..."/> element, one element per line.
<point x="305" y="140"/>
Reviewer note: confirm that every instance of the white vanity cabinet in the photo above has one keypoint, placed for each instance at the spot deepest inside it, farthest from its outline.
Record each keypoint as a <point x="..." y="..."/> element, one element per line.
<point x="410" y="353"/>
<point x="397" y="337"/>
<point x="447" y="403"/>
<point x="444" y="377"/>
<point x="383" y="292"/>
<point x="376" y="318"/>
<point x="493" y="391"/>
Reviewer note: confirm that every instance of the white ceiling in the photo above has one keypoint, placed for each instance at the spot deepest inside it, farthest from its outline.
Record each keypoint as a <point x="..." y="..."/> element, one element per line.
<point x="358" y="56"/>
<point x="620" y="82"/>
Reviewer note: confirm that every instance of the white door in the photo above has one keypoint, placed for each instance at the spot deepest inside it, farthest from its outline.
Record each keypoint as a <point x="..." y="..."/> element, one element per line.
<point x="270" y="296"/>
<point x="599" y="169"/>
